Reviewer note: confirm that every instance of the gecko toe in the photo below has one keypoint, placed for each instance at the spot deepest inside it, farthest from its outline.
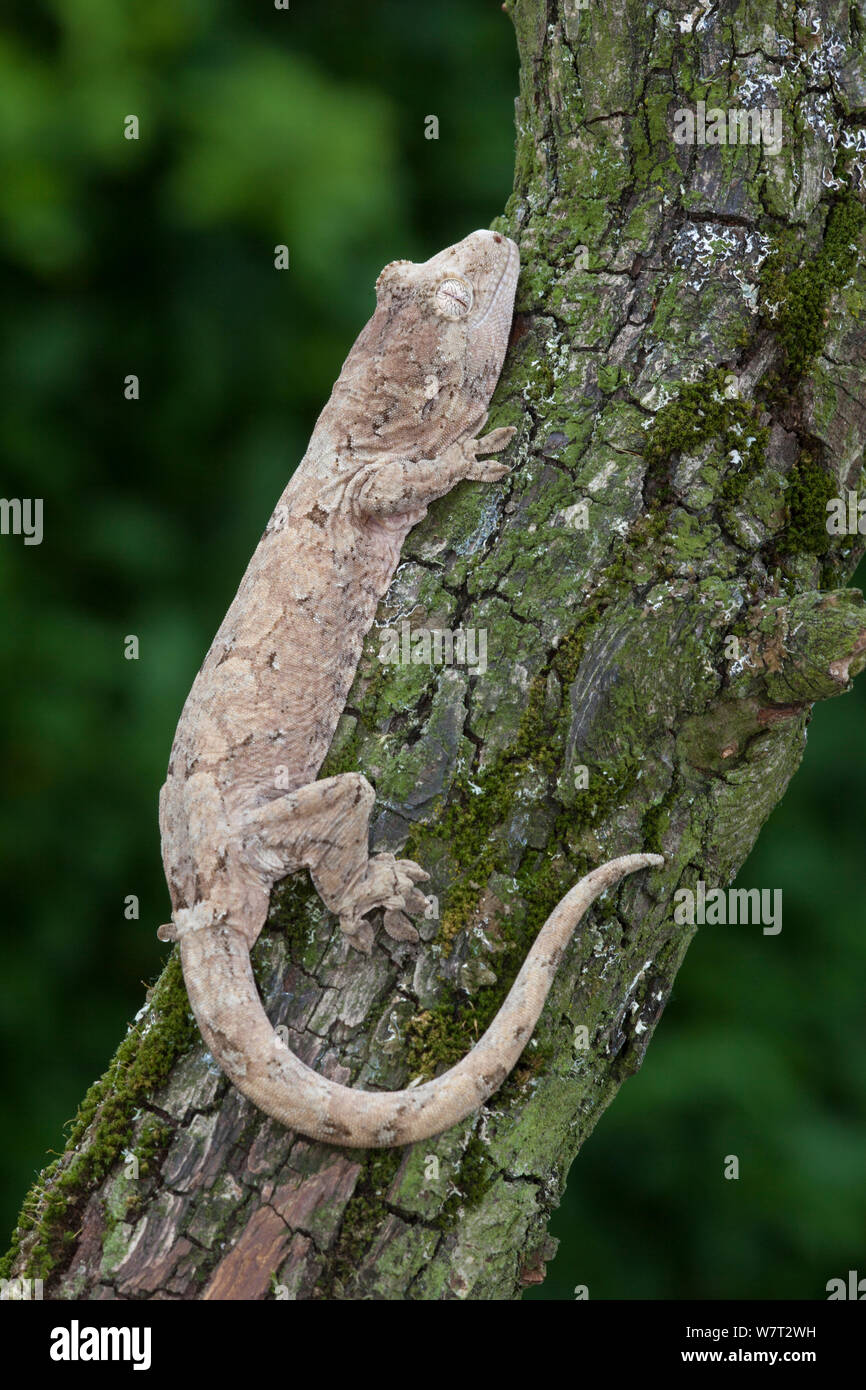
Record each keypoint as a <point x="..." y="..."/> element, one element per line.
<point x="398" y="927"/>
<point x="416" y="902"/>
<point x="413" y="870"/>
<point x="487" y="472"/>
<point x="358" y="932"/>
<point x="496" y="440"/>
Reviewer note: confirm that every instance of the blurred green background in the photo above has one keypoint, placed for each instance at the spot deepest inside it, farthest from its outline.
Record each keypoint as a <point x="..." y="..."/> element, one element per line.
<point x="155" y="257"/>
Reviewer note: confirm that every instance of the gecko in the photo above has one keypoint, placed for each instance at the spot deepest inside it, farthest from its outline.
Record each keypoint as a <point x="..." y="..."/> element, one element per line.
<point x="242" y="806"/>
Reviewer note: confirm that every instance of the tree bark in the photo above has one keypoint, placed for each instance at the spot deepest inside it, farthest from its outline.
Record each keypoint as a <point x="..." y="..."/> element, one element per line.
<point x="662" y="604"/>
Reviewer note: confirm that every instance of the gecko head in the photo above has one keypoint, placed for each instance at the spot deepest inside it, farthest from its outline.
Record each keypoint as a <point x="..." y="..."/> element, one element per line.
<point x="432" y="353"/>
<point x="471" y="283"/>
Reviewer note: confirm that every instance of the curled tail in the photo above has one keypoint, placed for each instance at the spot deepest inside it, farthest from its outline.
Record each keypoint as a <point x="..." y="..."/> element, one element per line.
<point x="224" y="998"/>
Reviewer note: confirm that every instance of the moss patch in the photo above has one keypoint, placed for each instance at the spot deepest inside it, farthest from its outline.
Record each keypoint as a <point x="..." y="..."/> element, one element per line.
<point x="657" y="819"/>
<point x="809" y="490"/>
<point x="473" y="1181"/>
<point x="361" y="1219"/>
<point x="152" y="1142"/>
<point x="701" y="412"/>
<point x="795" y="297"/>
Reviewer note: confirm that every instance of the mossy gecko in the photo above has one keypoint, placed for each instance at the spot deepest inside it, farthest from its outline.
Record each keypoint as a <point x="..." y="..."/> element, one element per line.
<point x="241" y="807"/>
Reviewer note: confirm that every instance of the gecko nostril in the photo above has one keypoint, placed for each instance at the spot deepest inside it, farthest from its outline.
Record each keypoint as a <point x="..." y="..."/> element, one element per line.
<point x="496" y="237"/>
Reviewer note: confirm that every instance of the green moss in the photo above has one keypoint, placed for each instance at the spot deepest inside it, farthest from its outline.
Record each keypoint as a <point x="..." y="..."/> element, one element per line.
<point x="344" y="759"/>
<point x="432" y="1040"/>
<point x="533" y="290"/>
<point x="609" y="378"/>
<point x="289" y="912"/>
<point x="535" y="1058"/>
<point x="102" y="1127"/>
<point x="666" y="306"/>
<point x="153" y="1140"/>
<point x="540" y="385"/>
<point x="701" y="412"/>
<point x="437" y="1038"/>
<point x="652" y="151"/>
<point x="473" y="1181"/>
<point x="362" y="1217"/>
<point x="809" y="490"/>
<point x="654" y="824"/>
<point x="795" y="297"/>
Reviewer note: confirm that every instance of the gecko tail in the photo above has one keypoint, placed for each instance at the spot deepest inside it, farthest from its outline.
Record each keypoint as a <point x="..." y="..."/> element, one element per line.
<point x="224" y="998"/>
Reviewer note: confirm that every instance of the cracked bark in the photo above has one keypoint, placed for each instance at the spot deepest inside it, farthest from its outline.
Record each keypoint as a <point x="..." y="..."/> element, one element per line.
<point x="609" y="648"/>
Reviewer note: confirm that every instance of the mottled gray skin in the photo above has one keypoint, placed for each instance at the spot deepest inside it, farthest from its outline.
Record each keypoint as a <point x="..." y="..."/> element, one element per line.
<point x="241" y="808"/>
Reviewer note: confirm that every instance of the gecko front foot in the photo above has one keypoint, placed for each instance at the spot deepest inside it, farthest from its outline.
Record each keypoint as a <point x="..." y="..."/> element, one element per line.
<point x="486" y="471"/>
<point x="388" y="883"/>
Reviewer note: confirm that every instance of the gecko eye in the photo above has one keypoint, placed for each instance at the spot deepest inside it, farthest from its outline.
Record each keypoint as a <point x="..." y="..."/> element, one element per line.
<point x="453" y="297"/>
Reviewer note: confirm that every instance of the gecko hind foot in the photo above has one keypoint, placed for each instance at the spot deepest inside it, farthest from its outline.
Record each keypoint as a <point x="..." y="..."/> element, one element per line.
<point x="388" y="883"/>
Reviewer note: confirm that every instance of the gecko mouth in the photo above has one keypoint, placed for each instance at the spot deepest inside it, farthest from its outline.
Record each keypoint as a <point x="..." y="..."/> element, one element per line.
<point x="507" y="279"/>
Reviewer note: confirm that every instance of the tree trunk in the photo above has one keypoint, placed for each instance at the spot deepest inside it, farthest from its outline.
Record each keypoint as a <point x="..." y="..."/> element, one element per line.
<point x="661" y="604"/>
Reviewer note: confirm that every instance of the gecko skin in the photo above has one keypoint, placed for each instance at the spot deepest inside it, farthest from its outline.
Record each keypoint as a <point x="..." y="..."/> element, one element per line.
<point x="241" y="807"/>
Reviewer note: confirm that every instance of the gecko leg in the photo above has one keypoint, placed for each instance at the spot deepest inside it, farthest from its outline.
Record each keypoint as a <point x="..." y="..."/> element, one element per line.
<point x="403" y="485"/>
<point x="324" y="827"/>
